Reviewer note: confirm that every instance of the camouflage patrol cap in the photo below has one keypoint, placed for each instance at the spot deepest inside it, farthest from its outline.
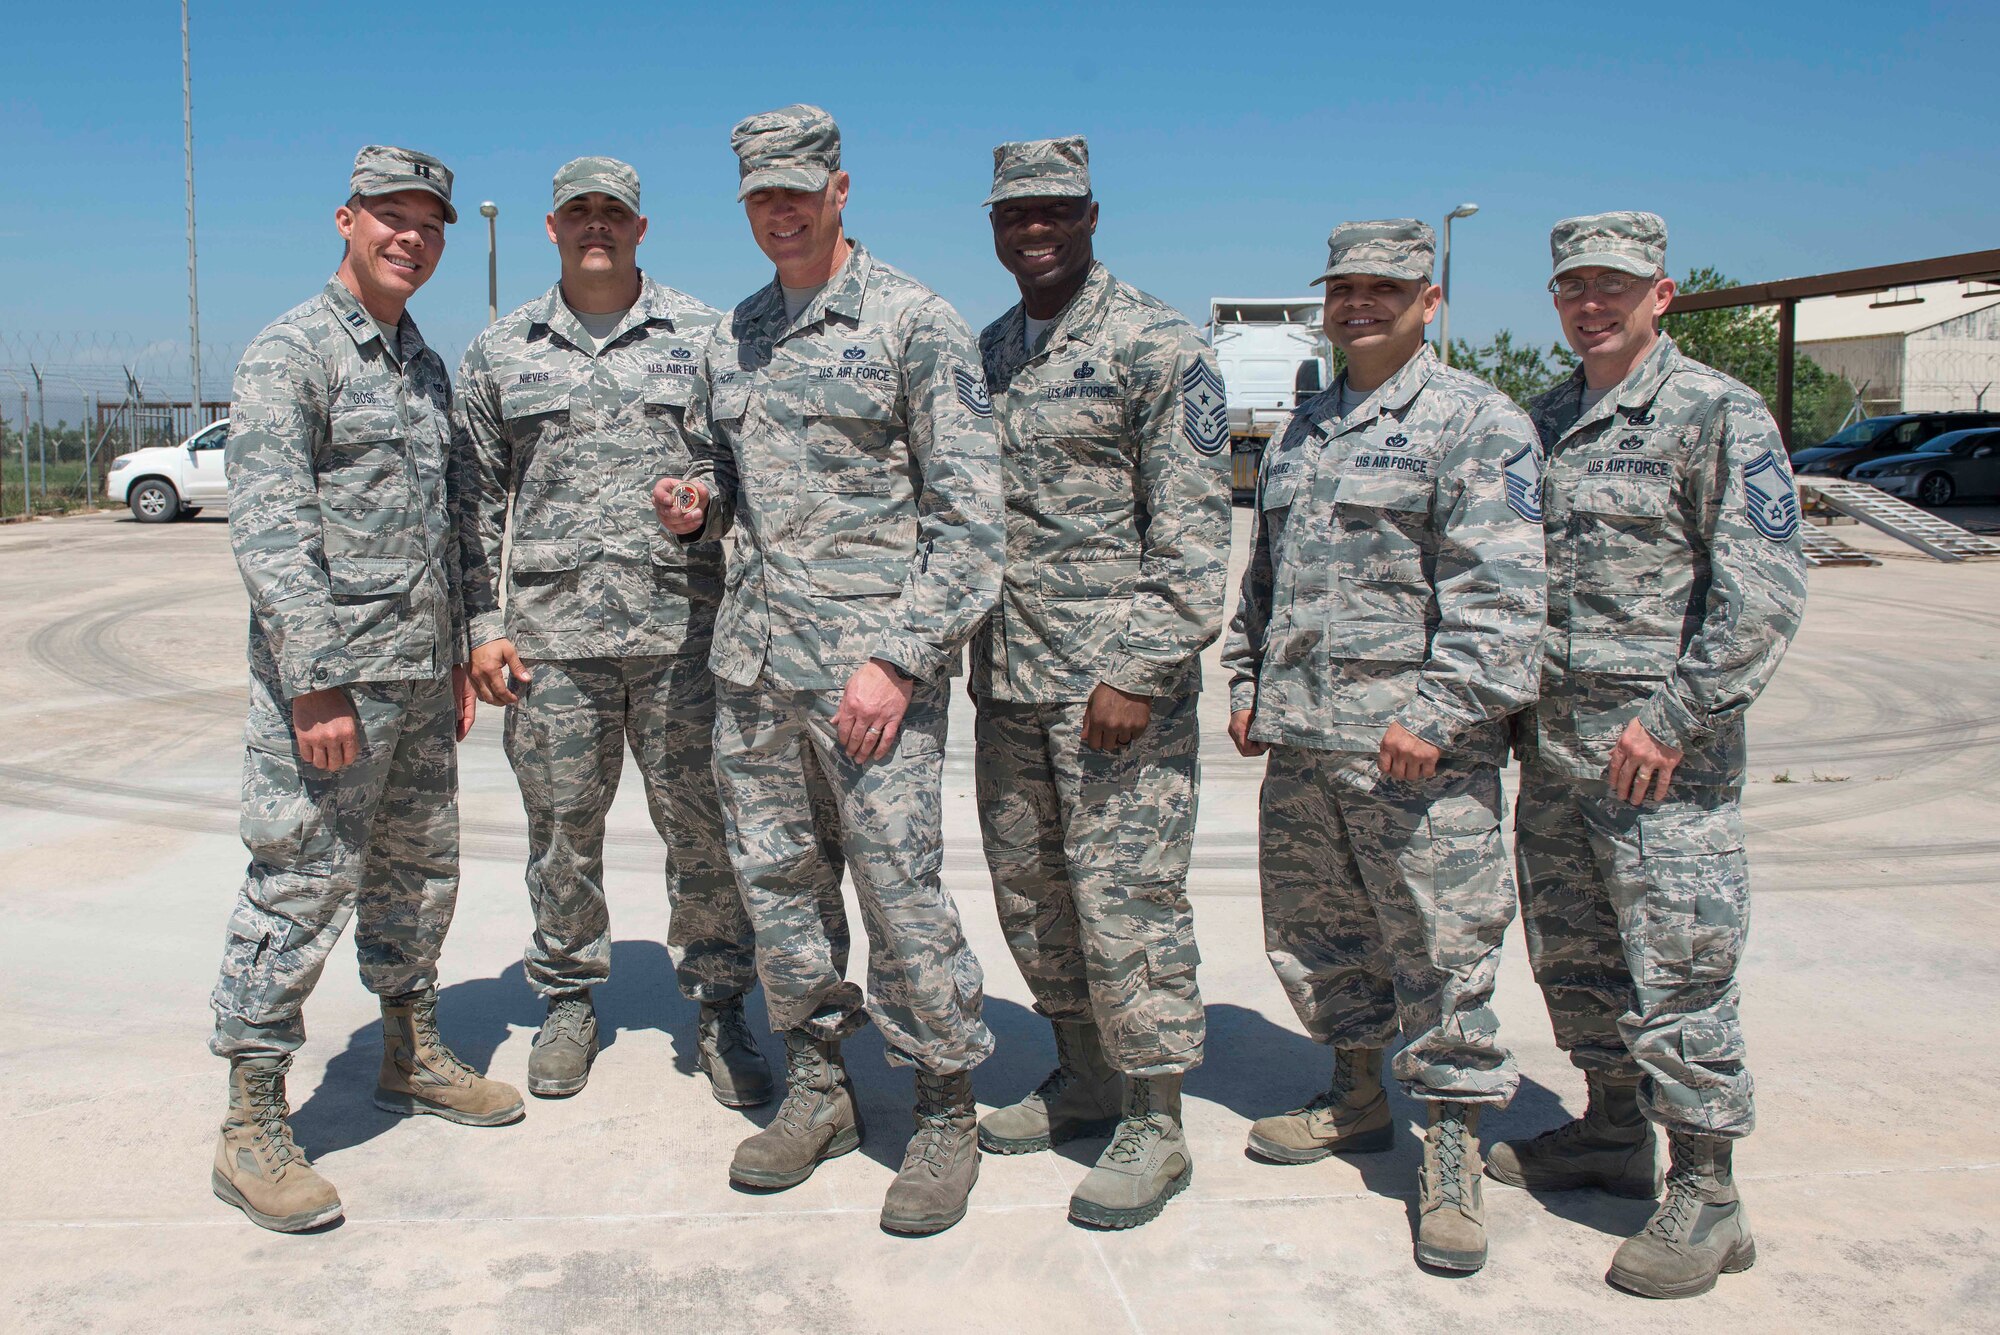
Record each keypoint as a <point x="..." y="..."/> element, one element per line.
<point x="608" y="176"/>
<point x="792" y="148"/>
<point x="1391" y="247"/>
<point x="1633" y="242"/>
<point x="379" y="170"/>
<point x="1041" y="169"/>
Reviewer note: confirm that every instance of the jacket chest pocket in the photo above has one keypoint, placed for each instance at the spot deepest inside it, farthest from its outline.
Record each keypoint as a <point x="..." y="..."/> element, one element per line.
<point x="537" y="416"/>
<point x="664" y="408"/>
<point x="853" y="438"/>
<point x="369" y="504"/>
<point x="1632" y="581"/>
<point x="1622" y="528"/>
<point x="365" y="457"/>
<point x="1383" y="516"/>
<point x="1083" y="471"/>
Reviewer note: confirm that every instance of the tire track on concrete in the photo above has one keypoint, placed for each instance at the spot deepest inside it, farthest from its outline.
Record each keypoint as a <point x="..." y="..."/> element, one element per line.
<point x="79" y="649"/>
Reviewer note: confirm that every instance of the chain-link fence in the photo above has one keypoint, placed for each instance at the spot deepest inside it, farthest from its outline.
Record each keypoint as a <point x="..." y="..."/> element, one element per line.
<point x="70" y="403"/>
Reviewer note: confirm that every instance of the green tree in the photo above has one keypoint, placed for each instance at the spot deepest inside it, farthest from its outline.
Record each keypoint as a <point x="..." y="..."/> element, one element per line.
<point x="1742" y="341"/>
<point x="1515" y="369"/>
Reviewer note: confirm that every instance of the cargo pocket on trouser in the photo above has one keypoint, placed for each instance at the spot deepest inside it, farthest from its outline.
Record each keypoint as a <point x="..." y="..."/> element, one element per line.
<point x="1691" y="923"/>
<point x="292" y="907"/>
<point x="1695" y="906"/>
<point x="286" y="818"/>
<point x="1462" y="891"/>
<point x="1141" y="956"/>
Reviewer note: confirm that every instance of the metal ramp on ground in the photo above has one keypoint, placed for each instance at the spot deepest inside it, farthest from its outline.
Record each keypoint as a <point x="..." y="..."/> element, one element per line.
<point x="1823" y="549"/>
<point x="1899" y="519"/>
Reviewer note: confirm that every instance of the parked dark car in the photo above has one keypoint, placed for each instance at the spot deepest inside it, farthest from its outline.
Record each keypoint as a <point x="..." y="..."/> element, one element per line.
<point x="1956" y="464"/>
<point x="1880" y="437"/>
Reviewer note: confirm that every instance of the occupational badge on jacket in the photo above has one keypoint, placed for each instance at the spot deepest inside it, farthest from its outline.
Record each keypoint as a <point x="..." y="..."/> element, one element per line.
<point x="1204" y="408"/>
<point x="1523" y="472"/>
<point x="1773" y="501"/>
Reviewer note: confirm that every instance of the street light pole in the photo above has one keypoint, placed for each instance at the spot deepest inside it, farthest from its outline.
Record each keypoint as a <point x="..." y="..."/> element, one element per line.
<point x="1444" y="263"/>
<point x="489" y="211"/>
<point x="194" y="301"/>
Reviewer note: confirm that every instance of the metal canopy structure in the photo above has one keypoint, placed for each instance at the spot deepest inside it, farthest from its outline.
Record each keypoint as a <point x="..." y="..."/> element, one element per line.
<point x="1786" y="294"/>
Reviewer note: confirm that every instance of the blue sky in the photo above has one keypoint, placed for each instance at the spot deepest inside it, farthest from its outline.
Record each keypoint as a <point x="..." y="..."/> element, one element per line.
<point x="1778" y="139"/>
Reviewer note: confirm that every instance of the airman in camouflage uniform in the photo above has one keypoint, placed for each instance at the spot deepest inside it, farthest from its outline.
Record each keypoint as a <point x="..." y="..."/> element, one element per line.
<point x="1387" y="628"/>
<point x="1675" y="584"/>
<point x="858" y="459"/>
<point x="337" y="452"/>
<point x="1115" y="452"/>
<point x="607" y="620"/>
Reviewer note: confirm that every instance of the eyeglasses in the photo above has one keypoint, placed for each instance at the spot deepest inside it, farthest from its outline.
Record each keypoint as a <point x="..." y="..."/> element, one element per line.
<point x="1604" y="285"/>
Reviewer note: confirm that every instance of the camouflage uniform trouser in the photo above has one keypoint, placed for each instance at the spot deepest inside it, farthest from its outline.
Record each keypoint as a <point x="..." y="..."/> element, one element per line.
<point x="566" y="739"/>
<point x="1636" y="918"/>
<point x="776" y="757"/>
<point x="1089" y="851"/>
<point x="379" y="837"/>
<point x="1384" y="906"/>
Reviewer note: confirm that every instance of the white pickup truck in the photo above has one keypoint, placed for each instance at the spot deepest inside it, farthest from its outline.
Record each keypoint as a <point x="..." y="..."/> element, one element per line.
<point x="168" y="482"/>
<point x="1272" y="355"/>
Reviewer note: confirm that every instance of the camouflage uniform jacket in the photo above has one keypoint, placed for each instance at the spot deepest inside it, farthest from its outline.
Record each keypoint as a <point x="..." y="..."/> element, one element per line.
<point x="856" y="445"/>
<point x="1397" y="572"/>
<point x="1675" y="575"/>
<point x="1115" y="454"/>
<point x="576" y="439"/>
<point x="338" y="513"/>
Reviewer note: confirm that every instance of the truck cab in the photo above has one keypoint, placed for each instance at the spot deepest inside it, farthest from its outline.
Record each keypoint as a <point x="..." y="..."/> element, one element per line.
<point x="1273" y="356"/>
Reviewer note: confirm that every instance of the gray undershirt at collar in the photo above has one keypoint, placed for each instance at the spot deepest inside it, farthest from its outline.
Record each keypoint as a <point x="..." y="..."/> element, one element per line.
<point x="798" y="298"/>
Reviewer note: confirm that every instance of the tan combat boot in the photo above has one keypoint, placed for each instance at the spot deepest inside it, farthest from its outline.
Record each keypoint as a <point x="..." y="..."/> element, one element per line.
<point x="1081" y="1097"/>
<point x="817" y="1121"/>
<point x="559" y="1062"/>
<point x="738" y="1075"/>
<point x="942" y="1162"/>
<point x="259" y="1169"/>
<point x="1351" y="1117"/>
<point x="1451" y="1210"/>
<point x="1610" y="1147"/>
<point x="1699" y="1231"/>
<point x="1147" y="1163"/>
<point x="419" y="1074"/>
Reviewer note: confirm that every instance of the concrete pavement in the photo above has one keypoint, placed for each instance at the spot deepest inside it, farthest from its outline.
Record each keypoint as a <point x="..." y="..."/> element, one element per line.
<point x="1869" y="1003"/>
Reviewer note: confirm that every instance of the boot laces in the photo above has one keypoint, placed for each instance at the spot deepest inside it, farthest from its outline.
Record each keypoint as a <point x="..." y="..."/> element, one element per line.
<point x="567" y="1019"/>
<point x="1136" y="1130"/>
<point x="726" y="1029"/>
<point x="1448" y="1142"/>
<point x="1683" y="1200"/>
<point x="1346" y="1076"/>
<point x="937" y="1125"/>
<point x="267" y="1109"/>
<point x="1054" y="1083"/>
<point x="801" y="1065"/>
<point x="431" y="1049"/>
<point x="1558" y="1139"/>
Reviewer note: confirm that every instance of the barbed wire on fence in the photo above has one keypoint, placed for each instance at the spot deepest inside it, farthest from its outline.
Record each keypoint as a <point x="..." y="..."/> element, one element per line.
<point x="70" y="401"/>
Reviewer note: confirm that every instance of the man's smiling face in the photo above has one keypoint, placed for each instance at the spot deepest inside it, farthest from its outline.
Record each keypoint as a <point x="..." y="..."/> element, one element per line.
<point x="1045" y="243"/>
<point x="394" y="242"/>
<point x="1370" y="315"/>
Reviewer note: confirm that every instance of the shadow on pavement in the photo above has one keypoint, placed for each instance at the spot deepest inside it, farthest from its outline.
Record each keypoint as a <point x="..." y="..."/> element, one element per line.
<point x="478" y="1015"/>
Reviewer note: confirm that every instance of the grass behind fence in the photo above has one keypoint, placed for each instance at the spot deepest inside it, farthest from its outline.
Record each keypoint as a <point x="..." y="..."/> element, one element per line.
<point x="65" y="492"/>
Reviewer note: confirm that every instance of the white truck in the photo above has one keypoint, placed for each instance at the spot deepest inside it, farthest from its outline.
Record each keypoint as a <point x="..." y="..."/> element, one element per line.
<point x="163" y="483"/>
<point x="1273" y="354"/>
